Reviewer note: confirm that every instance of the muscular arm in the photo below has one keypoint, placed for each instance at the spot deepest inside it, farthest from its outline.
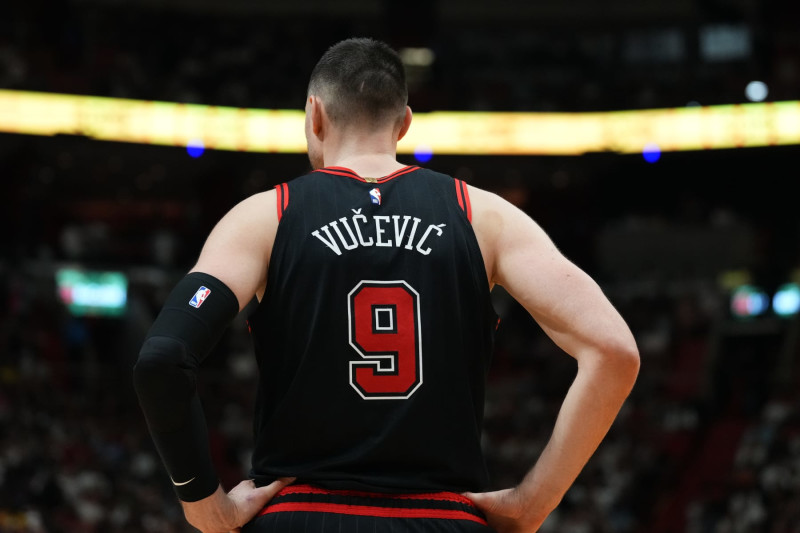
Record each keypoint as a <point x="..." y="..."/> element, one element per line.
<point x="573" y="311"/>
<point x="238" y="249"/>
<point x="233" y="263"/>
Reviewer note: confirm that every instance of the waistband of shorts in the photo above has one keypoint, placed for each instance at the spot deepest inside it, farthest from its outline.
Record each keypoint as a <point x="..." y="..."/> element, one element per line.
<point x="310" y="498"/>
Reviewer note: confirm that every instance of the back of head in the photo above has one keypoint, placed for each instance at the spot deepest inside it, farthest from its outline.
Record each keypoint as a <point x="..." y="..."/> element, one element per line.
<point x="361" y="82"/>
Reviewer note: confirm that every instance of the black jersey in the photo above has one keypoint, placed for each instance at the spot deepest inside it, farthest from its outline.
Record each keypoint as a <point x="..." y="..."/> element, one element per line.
<point x="374" y="336"/>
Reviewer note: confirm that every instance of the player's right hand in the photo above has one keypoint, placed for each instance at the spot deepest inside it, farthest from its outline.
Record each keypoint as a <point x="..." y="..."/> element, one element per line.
<point x="248" y="499"/>
<point x="507" y="511"/>
<point x="224" y="513"/>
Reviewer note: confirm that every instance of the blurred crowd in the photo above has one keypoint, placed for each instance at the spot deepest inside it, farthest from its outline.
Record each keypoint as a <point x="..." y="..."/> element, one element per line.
<point x="697" y="448"/>
<point x="709" y="441"/>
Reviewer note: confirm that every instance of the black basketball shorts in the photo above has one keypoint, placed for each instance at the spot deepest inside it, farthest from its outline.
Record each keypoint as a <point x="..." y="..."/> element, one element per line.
<point x="310" y="509"/>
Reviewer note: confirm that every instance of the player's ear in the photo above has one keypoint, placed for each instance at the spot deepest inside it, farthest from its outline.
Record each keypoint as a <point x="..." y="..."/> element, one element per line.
<point x="406" y="124"/>
<point x="316" y="111"/>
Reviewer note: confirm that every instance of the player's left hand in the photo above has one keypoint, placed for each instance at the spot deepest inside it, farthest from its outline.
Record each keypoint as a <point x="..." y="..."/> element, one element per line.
<point x="508" y="511"/>
<point x="224" y="513"/>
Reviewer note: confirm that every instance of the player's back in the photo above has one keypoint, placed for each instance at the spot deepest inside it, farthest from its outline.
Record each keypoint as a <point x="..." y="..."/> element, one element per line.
<point x="374" y="335"/>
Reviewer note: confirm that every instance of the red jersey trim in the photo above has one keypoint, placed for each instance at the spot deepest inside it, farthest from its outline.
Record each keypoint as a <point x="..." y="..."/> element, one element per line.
<point x="466" y="199"/>
<point x="365" y="510"/>
<point x="440" y="496"/>
<point x="282" y="198"/>
<point x="343" y="171"/>
<point x="459" y="196"/>
<point x="462" y="193"/>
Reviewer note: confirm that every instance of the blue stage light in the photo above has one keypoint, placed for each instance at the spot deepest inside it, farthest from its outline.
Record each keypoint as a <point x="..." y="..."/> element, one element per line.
<point x="423" y="153"/>
<point x="195" y="148"/>
<point x="651" y="153"/>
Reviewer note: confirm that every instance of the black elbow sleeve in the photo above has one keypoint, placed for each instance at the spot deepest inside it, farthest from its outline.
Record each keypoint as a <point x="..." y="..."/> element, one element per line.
<point x="165" y="385"/>
<point x="191" y="322"/>
<point x="165" y="381"/>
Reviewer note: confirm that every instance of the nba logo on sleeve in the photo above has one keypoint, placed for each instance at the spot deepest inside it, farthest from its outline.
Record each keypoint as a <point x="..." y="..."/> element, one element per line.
<point x="375" y="195"/>
<point x="199" y="297"/>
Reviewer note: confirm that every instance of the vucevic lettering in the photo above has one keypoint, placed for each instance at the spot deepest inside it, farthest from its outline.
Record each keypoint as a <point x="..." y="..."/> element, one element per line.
<point x="387" y="231"/>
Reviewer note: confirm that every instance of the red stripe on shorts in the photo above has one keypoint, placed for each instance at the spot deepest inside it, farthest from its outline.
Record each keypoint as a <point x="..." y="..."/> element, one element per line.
<point x="364" y="510"/>
<point x="437" y="496"/>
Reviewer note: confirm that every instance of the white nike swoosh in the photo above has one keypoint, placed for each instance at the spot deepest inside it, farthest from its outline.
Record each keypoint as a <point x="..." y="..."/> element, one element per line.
<point x="183" y="483"/>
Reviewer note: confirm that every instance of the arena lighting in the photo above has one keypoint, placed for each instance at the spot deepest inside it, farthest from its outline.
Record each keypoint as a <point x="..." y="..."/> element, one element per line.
<point x="423" y="153"/>
<point x="92" y="293"/>
<point x="651" y="153"/>
<point x="786" y="300"/>
<point x="478" y="133"/>
<point x="417" y="57"/>
<point x="756" y="91"/>
<point x="195" y="148"/>
<point x="748" y="301"/>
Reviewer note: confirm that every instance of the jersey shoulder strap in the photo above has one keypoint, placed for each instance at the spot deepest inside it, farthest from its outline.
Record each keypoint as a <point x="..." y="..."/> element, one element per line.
<point x="282" y="198"/>
<point x="462" y="194"/>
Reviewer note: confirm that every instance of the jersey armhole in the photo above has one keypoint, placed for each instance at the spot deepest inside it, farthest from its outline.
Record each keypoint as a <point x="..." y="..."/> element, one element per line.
<point x="462" y="193"/>
<point x="282" y="198"/>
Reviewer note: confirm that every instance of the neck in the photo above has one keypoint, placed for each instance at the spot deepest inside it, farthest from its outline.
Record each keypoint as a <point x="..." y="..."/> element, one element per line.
<point x="367" y="154"/>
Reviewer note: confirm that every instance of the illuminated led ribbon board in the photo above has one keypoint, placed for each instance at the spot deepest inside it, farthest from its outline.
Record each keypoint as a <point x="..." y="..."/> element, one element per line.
<point x="475" y="133"/>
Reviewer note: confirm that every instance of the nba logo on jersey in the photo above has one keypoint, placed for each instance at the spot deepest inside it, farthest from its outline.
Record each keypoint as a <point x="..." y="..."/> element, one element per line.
<point x="375" y="195"/>
<point x="199" y="297"/>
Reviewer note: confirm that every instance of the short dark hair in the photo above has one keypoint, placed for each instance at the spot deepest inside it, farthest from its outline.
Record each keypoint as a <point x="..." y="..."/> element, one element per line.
<point x="361" y="80"/>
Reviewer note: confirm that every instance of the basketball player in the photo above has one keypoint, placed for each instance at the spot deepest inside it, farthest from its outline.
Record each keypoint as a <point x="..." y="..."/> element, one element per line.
<point x="373" y="333"/>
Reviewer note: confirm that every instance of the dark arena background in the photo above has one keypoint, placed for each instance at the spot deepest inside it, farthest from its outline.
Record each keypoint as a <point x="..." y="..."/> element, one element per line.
<point x="695" y="243"/>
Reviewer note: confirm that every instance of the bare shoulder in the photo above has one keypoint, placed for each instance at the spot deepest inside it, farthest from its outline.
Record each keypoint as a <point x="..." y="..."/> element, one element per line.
<point x="250" y="222"/>
<point x="488" y="208"/>
<point x="238" y="249"/>
<point x="254" y="213"/>
<point x="259" y="206"/>
<point x="502" y="229"/>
